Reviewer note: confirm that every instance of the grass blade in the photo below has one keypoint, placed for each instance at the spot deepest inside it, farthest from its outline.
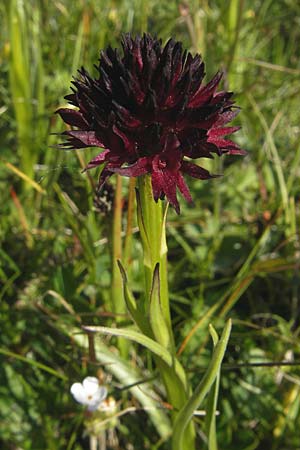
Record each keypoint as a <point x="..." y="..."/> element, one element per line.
<point x="186" y="413"/>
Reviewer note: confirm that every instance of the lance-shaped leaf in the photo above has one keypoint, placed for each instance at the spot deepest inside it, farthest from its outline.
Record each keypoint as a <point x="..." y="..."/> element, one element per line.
<point x="163" y="239"/>
<point x="135" y="312"/>
<point x="156" y="348"/>
<point x="186" y="413"/>
<point x="157" y="320"/>
<point x="210" y="418"/>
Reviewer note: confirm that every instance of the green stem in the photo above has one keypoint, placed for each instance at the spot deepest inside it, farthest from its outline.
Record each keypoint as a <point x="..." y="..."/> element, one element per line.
<point x="116" y="285"/>
<point x="151" y="220"/>
<point x="128" y="235"/>
<point x="118" y="305"/>
<point x="154" y="246"/>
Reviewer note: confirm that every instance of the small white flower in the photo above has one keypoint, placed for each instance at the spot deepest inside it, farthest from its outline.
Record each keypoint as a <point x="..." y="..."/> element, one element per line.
<point x="89" y="393"/>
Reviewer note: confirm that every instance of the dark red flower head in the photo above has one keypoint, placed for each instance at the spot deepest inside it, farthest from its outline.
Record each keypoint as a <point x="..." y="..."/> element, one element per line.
<point x="150" y="113"/>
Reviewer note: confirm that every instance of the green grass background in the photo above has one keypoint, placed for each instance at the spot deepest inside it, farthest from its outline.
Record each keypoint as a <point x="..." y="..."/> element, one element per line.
<point x="234" y="254"/>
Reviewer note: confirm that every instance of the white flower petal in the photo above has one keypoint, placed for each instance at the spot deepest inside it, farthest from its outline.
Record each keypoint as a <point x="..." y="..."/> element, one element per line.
<point x="101" y="394"/>
<point x="89" y="393"/>
<point x="91" y="385"/>
<point x="78" y="392"/>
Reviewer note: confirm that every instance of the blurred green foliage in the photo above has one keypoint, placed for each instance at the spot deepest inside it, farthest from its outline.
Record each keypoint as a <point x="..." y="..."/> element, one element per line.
<point x="235" y="253"/>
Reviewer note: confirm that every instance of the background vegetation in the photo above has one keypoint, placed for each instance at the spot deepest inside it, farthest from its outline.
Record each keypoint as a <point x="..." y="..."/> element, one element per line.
<point x="235" y="253"/>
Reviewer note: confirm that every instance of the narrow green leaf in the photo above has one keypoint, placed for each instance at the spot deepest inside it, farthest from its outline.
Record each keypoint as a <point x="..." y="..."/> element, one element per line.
<point x="137" y="315"/>
<point x="210" y="418"/>
<point x="163" y="238"/>
<point x="186" y="413"/>
<point x="129" y="298"/>
<point x="157" y="321"/>
<point x="41" y="130"/>
<point x="77" y="223"/>
<point x="278" y="165"/>
<point x="78" y="48"/>
<point x="214" y="334"/>
<point x="156" y="348"/>
<point x="33" y="363"/>
<point x="24" y="177"/>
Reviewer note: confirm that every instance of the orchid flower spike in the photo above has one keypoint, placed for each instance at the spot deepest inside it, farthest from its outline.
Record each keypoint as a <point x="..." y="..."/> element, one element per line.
<point x="89" y="393"/>
<point x="149" y="112"/>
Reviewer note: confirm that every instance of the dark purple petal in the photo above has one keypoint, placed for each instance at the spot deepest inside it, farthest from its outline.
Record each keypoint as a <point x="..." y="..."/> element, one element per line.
<point x="88" y="138"/>
<point x="141" y="167"/>
<point x="99" y="159"/>
<point x="104" y="176"/>
<point x="223" y="143"/>
<point x="156" y="181"/>
<point x="196" y="171"/>
<point x="183" y="188"/>
<point x="226" y="116"/>
<point x="126" y="117"/>
<point x="216" y="132"/>
<point x="128" y="144"/>
<point x="72" y="117"/>
<point x="206" y="92"/>
<point x="164" y="181"/>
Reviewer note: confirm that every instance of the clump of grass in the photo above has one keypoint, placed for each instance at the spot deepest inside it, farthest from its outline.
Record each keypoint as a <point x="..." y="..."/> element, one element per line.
<point x="26" y="76"/>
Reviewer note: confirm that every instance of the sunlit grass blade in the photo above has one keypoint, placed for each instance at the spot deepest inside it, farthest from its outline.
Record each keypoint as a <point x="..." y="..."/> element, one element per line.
<point x="236" y="288"/>
<point x="271" y="66"/>
<point x="22" y="218"/>
<point x="156" y="348"/>
<point x="24" y="177"/>
<point x="20" y="83"/>
<point x="77" y="224"/>
<point x="33" y="363"/>
<point x="38" y="75"/>
<point x="278" y="166"/>
<point x="211" y="408"/>
<point x="234" y="26"/>
<point x="186" y="413"/>
<point x="291" y="410"/>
